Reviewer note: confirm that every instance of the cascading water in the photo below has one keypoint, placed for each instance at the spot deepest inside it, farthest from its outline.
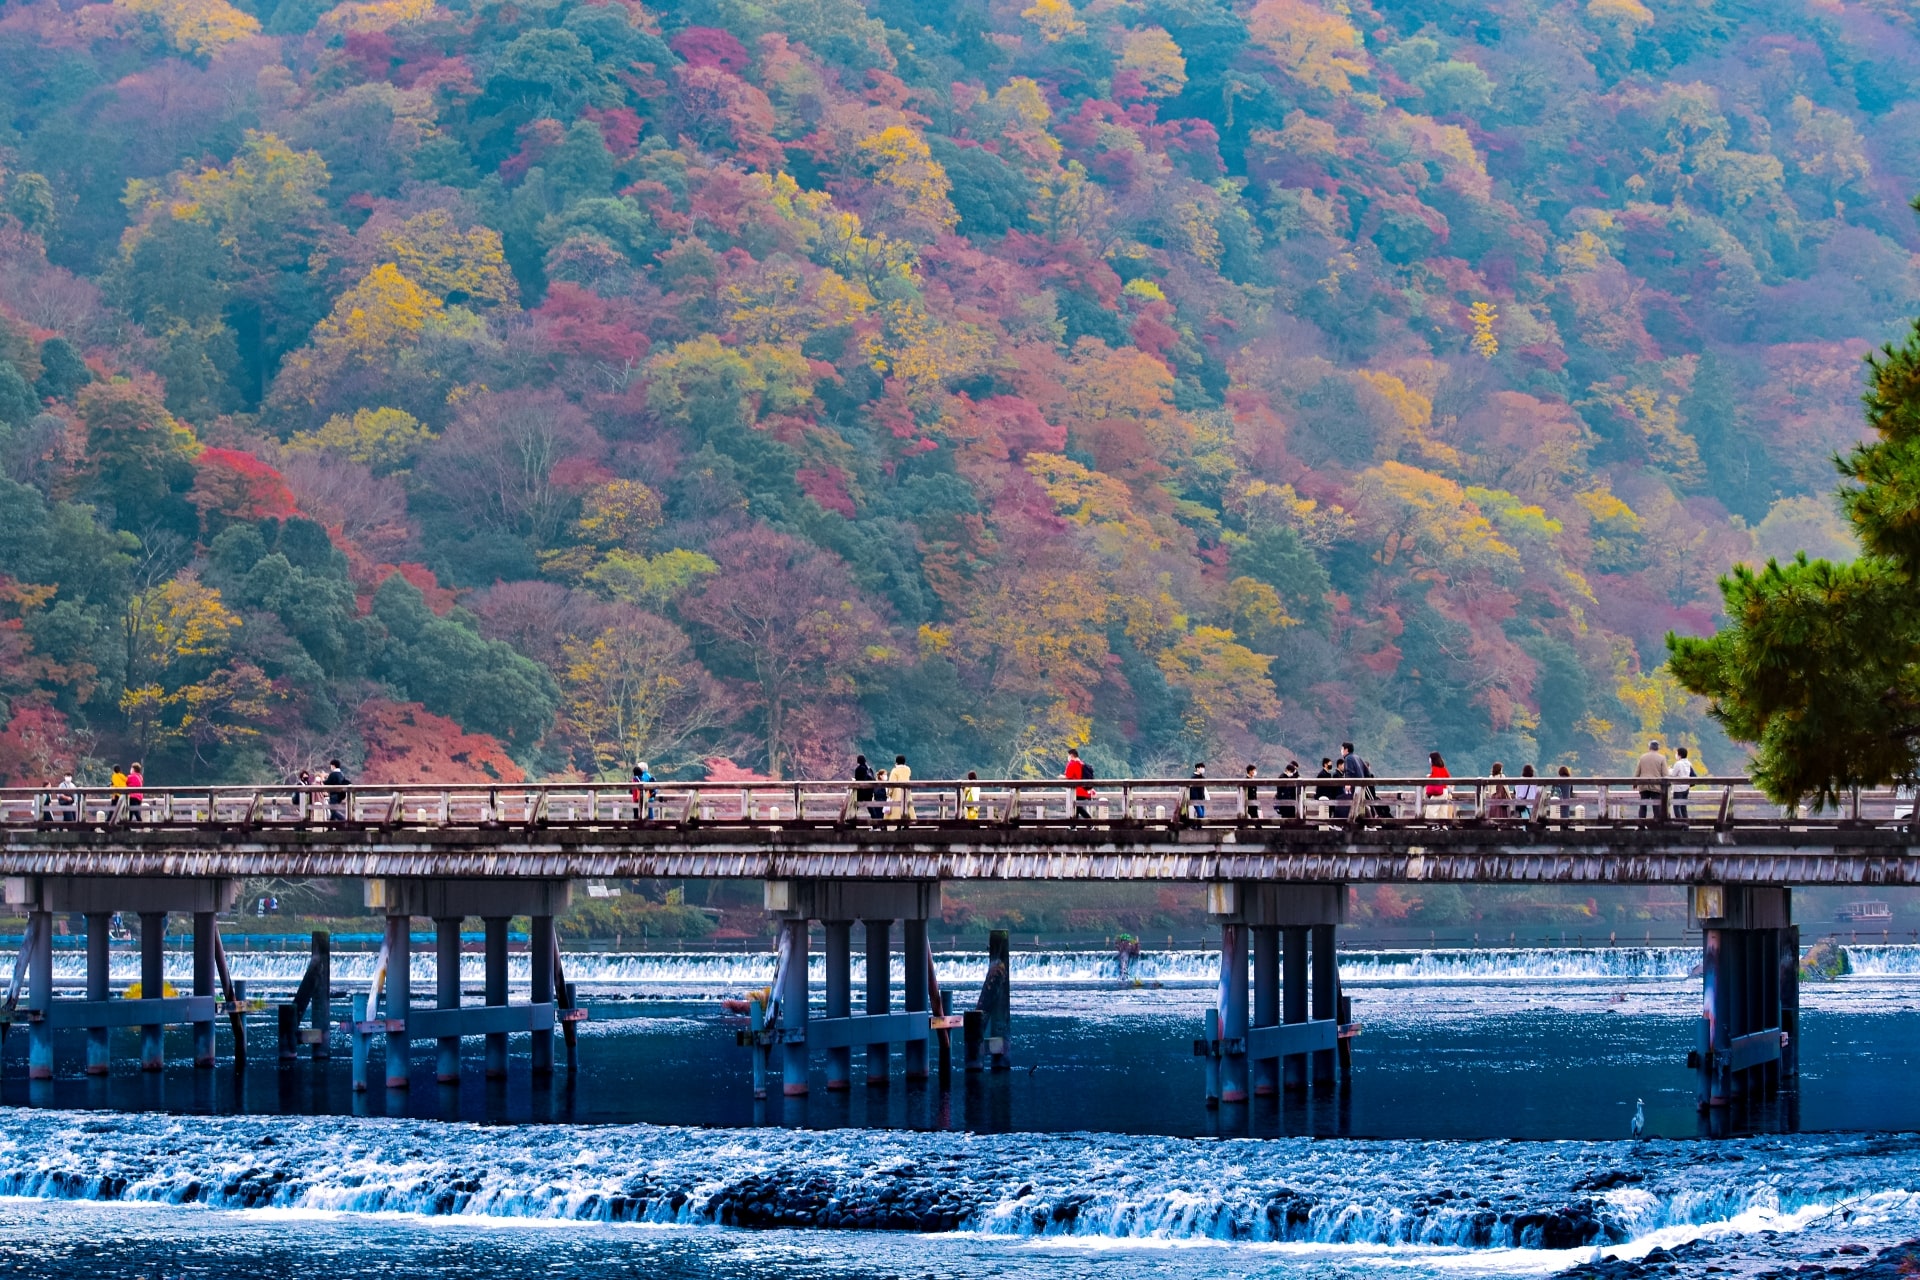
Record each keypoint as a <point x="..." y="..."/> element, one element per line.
<point x="1089" y="1186"/>
<point x="736" y="972"/>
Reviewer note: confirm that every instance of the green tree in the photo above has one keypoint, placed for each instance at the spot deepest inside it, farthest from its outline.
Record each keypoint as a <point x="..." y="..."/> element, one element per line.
<point x="445" y="664"/>
<point x="1818" y="664"/>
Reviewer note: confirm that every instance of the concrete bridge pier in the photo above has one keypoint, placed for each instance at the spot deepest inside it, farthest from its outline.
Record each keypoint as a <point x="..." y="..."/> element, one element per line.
<point x="1274" y="1043"/>
<point x="96" y="898"/>
<point x="839" y="938"/>
<point x="449" y="903"/>
<point x="837" y="904"/>
<point x="1750" y="993"/>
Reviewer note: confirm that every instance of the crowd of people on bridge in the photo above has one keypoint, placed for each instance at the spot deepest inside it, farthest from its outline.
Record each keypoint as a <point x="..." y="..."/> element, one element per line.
<point x="1340" y="790"/>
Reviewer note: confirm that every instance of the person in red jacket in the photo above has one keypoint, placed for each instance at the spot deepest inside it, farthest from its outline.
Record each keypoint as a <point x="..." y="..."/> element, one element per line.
<point x="1077" y="772"/>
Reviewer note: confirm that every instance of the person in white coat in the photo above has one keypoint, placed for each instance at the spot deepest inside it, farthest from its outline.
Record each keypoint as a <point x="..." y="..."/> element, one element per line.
<point x="902" y="797"/>
<point x="1682" y="767"/>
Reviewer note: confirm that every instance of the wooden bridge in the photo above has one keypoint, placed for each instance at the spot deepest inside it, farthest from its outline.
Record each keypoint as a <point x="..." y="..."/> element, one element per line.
<point x="1276" y="855"/>
<point x="1593" y="830"/>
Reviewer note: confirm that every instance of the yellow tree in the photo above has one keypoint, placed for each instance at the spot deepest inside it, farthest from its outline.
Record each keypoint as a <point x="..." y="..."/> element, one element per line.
<point x="1151" y="54"/>
<point x="194" y="26"/>
<point x="1315" y="47"/>
<point x="1226" y="685"/>
<point x="1055" y="18"/>
<point x="1427" y="522"/>
<point x="179" y="683"/>
<point x="384" y="439"/>
<point x="635" y="692"/>
<point x="914" y="189"/>
<point x="620" y="515"/>
<point x="462" y="267"/>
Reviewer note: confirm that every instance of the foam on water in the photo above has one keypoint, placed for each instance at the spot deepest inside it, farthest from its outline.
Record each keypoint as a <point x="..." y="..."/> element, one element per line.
<point x="1473" y="1196"/>
<point x="734" y="972"/>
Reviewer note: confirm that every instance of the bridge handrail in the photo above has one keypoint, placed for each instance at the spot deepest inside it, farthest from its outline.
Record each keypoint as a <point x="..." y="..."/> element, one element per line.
<point x="1582" y="801"/>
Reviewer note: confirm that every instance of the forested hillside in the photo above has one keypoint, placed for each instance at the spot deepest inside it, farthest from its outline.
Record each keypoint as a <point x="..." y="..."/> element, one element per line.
<point x="499" y="390"/>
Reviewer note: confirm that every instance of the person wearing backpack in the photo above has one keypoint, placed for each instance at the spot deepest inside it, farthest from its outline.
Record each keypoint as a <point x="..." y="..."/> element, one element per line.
<point x="642" y="793"/>
<point x="1079" y="772"/>
<point x="338" y="780"/>
<point x="863" y="772"/>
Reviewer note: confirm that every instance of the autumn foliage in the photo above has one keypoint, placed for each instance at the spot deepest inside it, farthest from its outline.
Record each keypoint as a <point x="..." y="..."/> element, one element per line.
<point x="489" y="392"/>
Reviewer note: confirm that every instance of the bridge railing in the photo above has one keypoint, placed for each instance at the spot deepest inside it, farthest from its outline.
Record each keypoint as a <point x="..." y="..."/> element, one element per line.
<point x="1584" y="802"/>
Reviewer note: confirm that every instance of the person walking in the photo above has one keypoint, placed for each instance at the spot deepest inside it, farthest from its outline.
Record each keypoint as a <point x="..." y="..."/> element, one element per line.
<point x="1682" y="767"/>
<point x="863" y="772"/>
<point x="1650" y="765"/>
<point x="970" y="798"/>
<point x="1348" y="766"/>
<point x="902" y="796"/>
<point x="118" y="781"/>
<point x="302" y="796"/>
<point x="642" y="793"/>
<point x="1077" y="773"/>
<point x="337" y="783"/>
<point x="136" y="779"/>
<point x="1197" y="793"/>
<point x="1439" y="797"/>
<point x="1252" y="803"/>
<point x="66" y="801"/>
<point x="1286" y="796"/>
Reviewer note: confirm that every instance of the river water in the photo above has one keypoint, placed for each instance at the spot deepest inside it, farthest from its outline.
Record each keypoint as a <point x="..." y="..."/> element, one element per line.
<point x="1483" y="1132"/>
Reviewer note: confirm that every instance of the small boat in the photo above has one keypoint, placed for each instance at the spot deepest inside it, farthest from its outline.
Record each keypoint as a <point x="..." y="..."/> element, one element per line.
<point x="1865" y="913"/>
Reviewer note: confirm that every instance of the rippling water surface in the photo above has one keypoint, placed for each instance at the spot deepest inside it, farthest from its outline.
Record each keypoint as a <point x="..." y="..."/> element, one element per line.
<point x="1481" y="1133"/>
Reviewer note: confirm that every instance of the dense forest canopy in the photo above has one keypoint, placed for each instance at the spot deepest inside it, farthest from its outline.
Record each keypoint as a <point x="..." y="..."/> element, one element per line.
<point x="500" y="390"/>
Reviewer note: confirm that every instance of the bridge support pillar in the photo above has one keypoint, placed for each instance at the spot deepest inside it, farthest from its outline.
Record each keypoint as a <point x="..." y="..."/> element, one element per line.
<point x="540" y="984"/>
<point x="153" y="982"/>
<point x="399" y="997"/>
<point x="496" y="992"/>
<point x="1326" y="998"/>
<point x="1297" y="1020"/>
<point x="837" y="903"/>
<point x="1749" y="1011"/>
<point x="203" y="1053"/>
<point x="449" y="903"/>
<point x="839" y="998"/>
<point x="446" y="982"/>
<point x="1266" y="1003"/>
<point x="879" y="999"/>
<point x="793" y="1011"/>
<point x="1293" y="989"/>
<point x="913" y="958"/>
<point x="1233" y="1012"/>
<point x="40" y="994"/>
<point x="99" y="923"/>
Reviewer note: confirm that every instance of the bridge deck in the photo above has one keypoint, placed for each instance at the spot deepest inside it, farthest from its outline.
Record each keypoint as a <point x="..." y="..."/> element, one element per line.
<point x="1148" y="831"/>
